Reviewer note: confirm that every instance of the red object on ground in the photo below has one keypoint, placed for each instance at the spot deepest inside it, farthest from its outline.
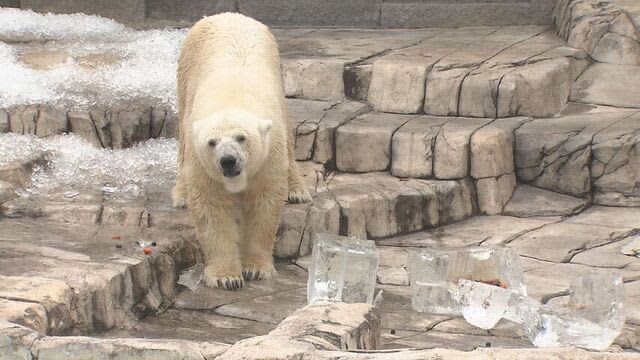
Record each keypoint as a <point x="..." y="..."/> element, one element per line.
<point x="148" y="250"/>
<point x="115" y="237"/>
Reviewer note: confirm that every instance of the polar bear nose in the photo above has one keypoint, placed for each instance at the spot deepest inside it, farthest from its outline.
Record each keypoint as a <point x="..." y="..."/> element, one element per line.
<point x="228" y="162"/>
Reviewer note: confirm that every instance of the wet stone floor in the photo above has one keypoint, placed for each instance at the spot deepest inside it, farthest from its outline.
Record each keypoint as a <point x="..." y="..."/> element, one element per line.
<point x="80" y="256"/>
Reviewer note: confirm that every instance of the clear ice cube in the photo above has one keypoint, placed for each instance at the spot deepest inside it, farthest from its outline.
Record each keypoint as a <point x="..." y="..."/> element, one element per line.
<point x="434" y="275"/>
<point x="431" y="287"/>
<point x="191" y="277"/>
<point x="592" y="319"/>
<point x="342" y="269"/>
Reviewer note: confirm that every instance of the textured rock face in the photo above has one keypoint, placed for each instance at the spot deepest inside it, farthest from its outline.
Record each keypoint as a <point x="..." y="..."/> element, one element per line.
<point x="313" y="79"/>
<point x="373" y="206"/>
<point x="31" y="315"/>
<point x="601" y="28"/>
<point x="492" y="148"/>
<point x="608" y="84"/>
<point x="338" y="326"/>
<point x="452" y="148"/>
<point x="413" y="145"/>
<point x="495" y="192"/>
<point x="396" y="84"/>
<point x="570" y="154"/>
<point x="364" y="144"/>
<point x="615" y="164"/>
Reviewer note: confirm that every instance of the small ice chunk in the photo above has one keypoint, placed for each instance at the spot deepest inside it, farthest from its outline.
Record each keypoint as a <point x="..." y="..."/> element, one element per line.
<point x="593" y="318"/>
<point x="342" y="269"/>
<point x="550" y="328"/>
<point x="71" y="194"/>
<point x="483" y="305"/>
<point x="191" y="277"/>
<point x="434" y="275"/>
<point x="633" y="247"/>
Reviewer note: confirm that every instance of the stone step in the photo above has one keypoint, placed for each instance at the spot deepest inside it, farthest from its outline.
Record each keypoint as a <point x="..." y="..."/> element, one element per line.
<point x="586" y="151"/>
<point x="494" y="71"/>
<point x="371" y="205"/>
<point x="371" y="14"/>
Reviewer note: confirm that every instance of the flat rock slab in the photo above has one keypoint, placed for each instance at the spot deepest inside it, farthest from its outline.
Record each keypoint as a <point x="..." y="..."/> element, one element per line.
<point x="200" y="326"/>
<point x="270" y="309"/>
<point x="464" y="342"/>
<point x="486" y="230"/>
<point x="559" y="242"/>
<point x="546" y="279"/>
<point x="396" y="312"/>
<point x="611" y="256"/>
<point x="529" y="201"/>
<point x="608" y="216"/>
<point x="77" y="347"/>
<point x="207" y="299"/>
<point x="608" y="84"/>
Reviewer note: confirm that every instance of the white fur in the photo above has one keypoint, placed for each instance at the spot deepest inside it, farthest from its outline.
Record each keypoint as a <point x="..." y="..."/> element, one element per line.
<point x="229" y="84"/>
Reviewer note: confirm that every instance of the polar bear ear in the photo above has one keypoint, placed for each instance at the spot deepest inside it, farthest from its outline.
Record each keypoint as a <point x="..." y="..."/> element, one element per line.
<point x="264" y="127"/>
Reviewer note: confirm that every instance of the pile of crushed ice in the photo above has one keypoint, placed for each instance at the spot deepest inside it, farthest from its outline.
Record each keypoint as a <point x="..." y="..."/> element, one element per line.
<point x="75" y="164"/>
<point x="25" y="25"/>
<point x="146" y="67"/>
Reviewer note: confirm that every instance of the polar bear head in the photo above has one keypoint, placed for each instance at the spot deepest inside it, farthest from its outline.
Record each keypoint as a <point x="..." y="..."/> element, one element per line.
<point x="232" y="146"/>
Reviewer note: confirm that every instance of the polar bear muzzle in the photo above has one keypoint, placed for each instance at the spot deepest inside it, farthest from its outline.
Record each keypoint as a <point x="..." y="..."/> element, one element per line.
<point x="229" y="157"/>
<point x="229" y="166"/>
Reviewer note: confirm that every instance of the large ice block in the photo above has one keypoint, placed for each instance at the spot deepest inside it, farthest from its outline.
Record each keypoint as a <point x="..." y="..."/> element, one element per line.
<point x="434" y="275"/>
<point x="592" y="319"/>
<point x="342" y="269"/>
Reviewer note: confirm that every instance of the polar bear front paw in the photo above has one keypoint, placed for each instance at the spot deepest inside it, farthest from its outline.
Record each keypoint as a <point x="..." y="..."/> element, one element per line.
<point x="258" y="272"/>
<point x="178" y="199"/>
<point x="299" y="194"/>
<point x="228" y="282"/>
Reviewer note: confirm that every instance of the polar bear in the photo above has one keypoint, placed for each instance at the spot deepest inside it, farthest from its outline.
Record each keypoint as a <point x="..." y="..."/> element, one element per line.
<point x="236" y="166"/>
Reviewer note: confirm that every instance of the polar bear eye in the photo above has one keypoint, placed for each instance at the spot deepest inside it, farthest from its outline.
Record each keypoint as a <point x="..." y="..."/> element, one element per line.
<point x="240" y="138"/>
<point x="213" y="142"/>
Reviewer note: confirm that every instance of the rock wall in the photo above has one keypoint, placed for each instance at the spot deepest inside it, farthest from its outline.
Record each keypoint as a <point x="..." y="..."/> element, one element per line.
<point x="327" y="13"/>
<point x="600" y="28"/>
